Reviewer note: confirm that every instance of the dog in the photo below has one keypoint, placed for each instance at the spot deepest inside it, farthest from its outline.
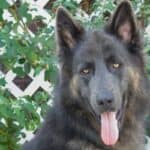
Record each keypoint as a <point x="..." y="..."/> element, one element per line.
<point x="101" y="98"/>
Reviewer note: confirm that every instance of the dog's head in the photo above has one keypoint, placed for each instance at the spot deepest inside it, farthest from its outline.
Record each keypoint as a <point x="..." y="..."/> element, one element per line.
<point x="100" y="67"/>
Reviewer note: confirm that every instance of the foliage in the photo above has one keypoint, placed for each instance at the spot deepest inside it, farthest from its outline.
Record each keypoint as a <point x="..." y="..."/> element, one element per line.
<point x="21" y="50"/>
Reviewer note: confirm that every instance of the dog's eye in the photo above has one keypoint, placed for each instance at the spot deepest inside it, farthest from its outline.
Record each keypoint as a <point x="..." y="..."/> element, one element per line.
<point x="85" y="71"/>
<point x="116" y="65"/>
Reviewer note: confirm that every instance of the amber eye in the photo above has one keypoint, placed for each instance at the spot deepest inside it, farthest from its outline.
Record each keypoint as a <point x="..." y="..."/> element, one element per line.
<point x="116" y="66"/>
<point x="85" y="71"/>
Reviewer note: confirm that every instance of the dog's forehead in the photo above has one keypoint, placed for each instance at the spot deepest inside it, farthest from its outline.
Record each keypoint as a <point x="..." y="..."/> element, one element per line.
<point x="99" y="44"/>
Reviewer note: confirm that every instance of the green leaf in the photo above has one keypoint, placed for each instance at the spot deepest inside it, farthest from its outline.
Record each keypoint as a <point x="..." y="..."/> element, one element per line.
<point x="4" y="4"/>
<point x="37" y="70"/>
<point x="50" y="74"/>
<point x="41" y="96"/>
<point x="2" y="43"/>
<point x="6" y="111"/>
<point x="3" y="147"/>
<point x="23" y="11"/>
<point x="32" y="56"/>
<point x="1" y="15"/>
<point x="27" y="68"/>
<point x="2" y="81"/>
<point x="19" y="71"/>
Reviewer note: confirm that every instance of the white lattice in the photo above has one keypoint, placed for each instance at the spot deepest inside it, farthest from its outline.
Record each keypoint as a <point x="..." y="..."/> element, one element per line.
<point x="37" y="82"/>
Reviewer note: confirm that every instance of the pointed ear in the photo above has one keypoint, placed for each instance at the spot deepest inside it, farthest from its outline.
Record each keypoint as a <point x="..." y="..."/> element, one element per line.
<point x="68" y="32"/>
<point x="123" y="23"/>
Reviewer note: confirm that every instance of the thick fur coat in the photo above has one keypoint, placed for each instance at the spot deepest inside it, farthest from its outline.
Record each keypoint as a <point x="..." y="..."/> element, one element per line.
<point x="101" y="74"/>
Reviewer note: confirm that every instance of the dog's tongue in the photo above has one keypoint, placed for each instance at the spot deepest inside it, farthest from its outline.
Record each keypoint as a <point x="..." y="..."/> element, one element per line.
<point x="109" y="128"/>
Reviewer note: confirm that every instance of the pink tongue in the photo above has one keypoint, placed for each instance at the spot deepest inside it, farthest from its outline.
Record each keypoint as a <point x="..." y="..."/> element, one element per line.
<point x="109" y="128"/>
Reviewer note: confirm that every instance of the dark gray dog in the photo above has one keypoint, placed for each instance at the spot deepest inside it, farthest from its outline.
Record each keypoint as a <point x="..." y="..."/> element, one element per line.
<point x="102" y="95"/>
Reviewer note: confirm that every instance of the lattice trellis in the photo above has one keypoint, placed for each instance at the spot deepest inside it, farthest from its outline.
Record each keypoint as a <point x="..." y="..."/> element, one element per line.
<point x="19" y="87"/>
<point x="30" y="88"/>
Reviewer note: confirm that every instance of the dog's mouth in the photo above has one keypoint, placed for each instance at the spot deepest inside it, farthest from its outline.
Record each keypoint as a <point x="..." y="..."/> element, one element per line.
<point x="111" y="123"/>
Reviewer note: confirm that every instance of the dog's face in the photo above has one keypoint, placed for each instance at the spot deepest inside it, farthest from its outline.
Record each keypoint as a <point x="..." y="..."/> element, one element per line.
<point x="98" y="66"/>
<point x="100" y="72"/>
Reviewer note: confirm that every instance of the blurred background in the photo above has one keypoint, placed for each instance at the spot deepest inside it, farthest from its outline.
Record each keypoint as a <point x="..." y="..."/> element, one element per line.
<point x="28" y="62"/>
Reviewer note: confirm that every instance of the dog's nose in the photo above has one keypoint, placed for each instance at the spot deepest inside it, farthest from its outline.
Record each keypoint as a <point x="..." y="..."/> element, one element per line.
<point x="105" y="101"/>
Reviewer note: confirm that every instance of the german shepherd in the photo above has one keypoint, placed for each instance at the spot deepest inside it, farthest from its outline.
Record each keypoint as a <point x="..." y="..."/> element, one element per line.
<point x="101" y="98"/>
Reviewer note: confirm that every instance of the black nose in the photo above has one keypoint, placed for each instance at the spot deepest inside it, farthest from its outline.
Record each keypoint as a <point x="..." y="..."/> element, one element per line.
<point x="105" y="101"/>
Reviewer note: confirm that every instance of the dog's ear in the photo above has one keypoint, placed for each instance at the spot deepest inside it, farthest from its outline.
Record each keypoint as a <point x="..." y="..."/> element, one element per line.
<point x="123" y="23"/>
<point x="68" y="32"/>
